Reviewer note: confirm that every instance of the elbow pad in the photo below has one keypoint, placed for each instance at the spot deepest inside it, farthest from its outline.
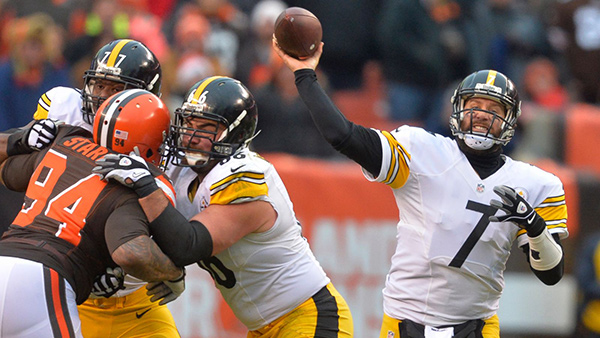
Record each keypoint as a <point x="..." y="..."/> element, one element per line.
<point x="544" y="252"/>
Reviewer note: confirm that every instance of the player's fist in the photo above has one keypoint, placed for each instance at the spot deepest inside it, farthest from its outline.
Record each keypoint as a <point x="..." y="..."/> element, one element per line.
<point x="166" y="291"/>
<point x="108" y="283"/>
<point x="33" y="137"/>
<point x="517" y="210"/>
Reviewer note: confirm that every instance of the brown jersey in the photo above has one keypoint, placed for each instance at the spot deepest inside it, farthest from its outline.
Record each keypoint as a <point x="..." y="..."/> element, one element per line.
<point x="71" y="221"/>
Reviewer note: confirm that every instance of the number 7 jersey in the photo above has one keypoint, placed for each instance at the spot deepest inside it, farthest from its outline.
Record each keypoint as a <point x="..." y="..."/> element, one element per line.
<point x="449" y="260"/>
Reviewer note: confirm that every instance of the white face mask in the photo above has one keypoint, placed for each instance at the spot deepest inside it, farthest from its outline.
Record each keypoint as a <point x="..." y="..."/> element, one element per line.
<point x="478" y="142"/>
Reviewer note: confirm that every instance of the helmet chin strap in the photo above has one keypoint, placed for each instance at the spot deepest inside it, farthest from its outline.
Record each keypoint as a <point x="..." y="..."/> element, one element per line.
<point x="478" y="142"/>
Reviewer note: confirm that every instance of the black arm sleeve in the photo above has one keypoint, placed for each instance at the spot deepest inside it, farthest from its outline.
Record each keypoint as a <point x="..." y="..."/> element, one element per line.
<point x="360" y="144"/>
<point x="184" y="242"/>
<point x="552" y="276"/>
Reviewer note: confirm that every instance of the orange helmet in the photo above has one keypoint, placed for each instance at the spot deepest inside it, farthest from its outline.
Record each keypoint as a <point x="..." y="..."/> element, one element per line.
<point x="132" y="118"/>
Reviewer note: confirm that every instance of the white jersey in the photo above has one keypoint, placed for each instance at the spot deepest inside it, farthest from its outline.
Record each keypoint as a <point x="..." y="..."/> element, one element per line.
<point x="449" y="260"/>
<point x="264" y="275"/>
<point x="63" y="104"/>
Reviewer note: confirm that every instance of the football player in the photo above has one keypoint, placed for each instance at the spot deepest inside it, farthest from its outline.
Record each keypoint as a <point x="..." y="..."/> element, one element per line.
<point x="73" y="225"/>
<point x="118" y="65"/>
<point x="234" y="217"/>
<point x="453" y="244"/>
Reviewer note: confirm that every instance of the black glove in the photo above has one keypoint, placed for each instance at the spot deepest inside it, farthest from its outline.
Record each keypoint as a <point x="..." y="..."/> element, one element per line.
<point x="109" y="283"/>
<point x="29" y="139"/>
<point x="517" y="211"/>
<point x="131" y="171"/>
<point x="166" y="291"/>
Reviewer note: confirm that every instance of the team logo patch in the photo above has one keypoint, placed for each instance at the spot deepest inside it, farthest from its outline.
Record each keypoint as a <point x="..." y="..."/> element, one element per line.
<point x="390" y="334"/>
<point x="480" y="187"/>
<point x="121" y="134"/>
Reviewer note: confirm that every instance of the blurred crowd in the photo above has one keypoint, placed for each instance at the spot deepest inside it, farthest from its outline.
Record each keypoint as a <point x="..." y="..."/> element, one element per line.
<point x="387" y="61"/>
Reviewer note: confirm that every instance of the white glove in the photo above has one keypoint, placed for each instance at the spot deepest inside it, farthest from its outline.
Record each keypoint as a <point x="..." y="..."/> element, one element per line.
<point x="131" y="171"/>
<point x="166" y="291"/>
<point x="108" y="283"/>
<point x="42" y="133"/>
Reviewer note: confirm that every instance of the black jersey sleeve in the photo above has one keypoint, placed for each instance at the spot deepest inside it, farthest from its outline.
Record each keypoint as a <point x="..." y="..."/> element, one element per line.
<point x="358" y="143"/>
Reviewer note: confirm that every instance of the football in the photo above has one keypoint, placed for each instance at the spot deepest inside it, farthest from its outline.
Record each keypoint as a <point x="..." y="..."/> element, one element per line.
<point x="298" y="32"/>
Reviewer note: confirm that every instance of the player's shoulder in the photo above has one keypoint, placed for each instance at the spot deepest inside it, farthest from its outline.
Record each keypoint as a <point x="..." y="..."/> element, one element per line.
<point x="531" y="173"/>
<point x="244" y="163"/>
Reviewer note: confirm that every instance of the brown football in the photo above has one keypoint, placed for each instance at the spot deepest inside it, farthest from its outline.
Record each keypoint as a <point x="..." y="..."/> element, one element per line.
<point x="298" y="32"/>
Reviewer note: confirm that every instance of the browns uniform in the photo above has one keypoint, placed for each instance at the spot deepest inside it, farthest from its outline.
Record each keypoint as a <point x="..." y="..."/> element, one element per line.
<point x="70" y="222"/>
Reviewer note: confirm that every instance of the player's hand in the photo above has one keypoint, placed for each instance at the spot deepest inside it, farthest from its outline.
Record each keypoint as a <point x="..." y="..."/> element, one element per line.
<point x="130" y="170"/>
<point x="166" y="291"/>
<point x="33" y="138"/>
<point x="294" y="64"/>
<point x="517" y="211"/>
<point x="108" y="283"/>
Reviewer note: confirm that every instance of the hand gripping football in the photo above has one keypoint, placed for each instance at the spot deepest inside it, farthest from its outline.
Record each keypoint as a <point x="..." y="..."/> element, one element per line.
<point x="298" y="32"/>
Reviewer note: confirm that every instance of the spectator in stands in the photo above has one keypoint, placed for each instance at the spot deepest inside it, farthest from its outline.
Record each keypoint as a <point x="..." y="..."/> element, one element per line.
<point x="254" y="58"/>
<point x="574" y="32"/>
<point x="34" y="66"/>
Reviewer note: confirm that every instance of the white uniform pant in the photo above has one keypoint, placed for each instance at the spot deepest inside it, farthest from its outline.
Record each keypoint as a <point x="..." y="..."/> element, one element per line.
<point x="35" y="301"/>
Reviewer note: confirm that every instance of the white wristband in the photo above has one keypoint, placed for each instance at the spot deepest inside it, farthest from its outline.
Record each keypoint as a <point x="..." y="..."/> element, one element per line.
<point x="550" y="253"/>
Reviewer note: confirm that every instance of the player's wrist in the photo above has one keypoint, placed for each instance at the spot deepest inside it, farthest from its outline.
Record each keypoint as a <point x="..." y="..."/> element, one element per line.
<point x="145" y="186"/>
<point x="536" y="227"/>
<point x="15" y="144"/>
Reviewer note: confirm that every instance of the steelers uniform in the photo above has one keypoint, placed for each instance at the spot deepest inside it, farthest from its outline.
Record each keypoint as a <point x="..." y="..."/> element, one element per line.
<point x="129" y="311"/>
<point x="271" y="280"/>
<point x="449" y="260"/>
<point x="70" y="223"/>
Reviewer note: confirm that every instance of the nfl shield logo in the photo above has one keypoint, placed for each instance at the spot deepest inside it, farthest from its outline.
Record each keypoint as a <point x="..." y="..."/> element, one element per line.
<point x="480" y="187"/>
<point x="390" y="334"/>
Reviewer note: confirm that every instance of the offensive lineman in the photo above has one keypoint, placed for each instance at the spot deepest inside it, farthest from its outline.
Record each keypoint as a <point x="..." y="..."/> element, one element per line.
<point x="242" y="228"/>
<point x="446" y="276"/>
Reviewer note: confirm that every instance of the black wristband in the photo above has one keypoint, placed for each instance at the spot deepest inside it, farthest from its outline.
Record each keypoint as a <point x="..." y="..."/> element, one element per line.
<point x="145" y="186"/>
<point x="537" y="226"/>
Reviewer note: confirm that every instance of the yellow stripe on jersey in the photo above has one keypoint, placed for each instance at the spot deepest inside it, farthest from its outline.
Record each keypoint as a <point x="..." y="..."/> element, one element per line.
<point x="201" y="87"/>
<point x="112" y="58"/>
<point x="243" y="185"/>
<point x="42" y="108"/>
<point x="398" y="171"/>
<point x="554" y="211"/>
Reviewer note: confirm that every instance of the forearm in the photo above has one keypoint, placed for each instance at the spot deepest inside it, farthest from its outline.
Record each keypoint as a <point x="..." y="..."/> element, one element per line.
<point x="142" y="258"/>
<point x="546" y="257"/>
<point x="183" y="241"/>
<point x="360" y="144"/>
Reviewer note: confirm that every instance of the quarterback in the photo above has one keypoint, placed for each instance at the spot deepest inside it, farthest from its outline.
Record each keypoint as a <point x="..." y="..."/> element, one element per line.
<point x="462" y="204"/>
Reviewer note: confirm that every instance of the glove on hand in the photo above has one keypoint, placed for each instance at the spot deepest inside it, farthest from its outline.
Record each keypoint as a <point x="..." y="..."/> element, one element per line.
<point x="37" y="137"/>
<point x="109" y="283"/>
<point x="517" y="211"/>
<point x="166" y="291"/>
<point x="131" y="171"/>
